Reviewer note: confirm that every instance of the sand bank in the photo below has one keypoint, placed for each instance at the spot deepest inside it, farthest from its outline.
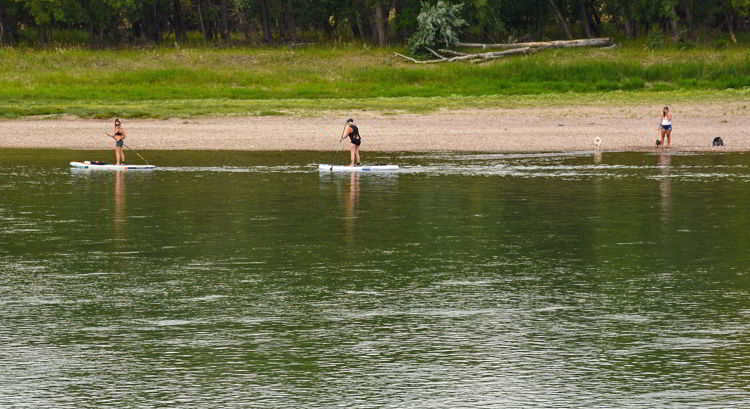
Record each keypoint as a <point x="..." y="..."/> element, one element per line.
<point x="494" y="130"/>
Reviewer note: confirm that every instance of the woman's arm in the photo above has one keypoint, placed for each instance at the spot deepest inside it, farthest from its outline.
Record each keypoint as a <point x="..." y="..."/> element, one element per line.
<point x="346" y="133"/>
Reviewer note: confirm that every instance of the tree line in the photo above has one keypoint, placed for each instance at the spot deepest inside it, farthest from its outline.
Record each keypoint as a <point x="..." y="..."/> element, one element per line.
<point x="381" y="22"/>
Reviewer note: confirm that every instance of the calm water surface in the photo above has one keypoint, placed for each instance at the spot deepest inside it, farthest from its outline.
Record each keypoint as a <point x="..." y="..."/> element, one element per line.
<point x="234" y="279"/>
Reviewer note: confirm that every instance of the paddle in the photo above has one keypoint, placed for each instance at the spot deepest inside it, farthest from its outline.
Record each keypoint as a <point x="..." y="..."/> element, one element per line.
<point x="346" y="125"/>
<point x="123" y="144"/>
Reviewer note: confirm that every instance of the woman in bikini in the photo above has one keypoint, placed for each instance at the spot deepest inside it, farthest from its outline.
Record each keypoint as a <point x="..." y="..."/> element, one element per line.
<point x="353" y="133"/>
<point x="120" y="135"/>
<point x="665" y="126"/>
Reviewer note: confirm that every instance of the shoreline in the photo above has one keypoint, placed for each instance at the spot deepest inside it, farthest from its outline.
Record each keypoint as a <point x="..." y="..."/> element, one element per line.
<point x="561" y="129"/>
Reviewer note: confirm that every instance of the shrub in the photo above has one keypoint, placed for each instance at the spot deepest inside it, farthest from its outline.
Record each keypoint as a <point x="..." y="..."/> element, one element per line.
<point x="438" y="27"/>
<point x="655" y="40"/>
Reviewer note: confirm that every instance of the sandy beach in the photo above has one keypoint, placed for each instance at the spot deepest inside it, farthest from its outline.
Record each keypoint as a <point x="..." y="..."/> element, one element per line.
<point x="494" y="130"/>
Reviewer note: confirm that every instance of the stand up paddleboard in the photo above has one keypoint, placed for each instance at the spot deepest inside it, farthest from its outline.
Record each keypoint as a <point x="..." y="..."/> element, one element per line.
<point x="108" y="166"/>
<point x="364" y="168"/>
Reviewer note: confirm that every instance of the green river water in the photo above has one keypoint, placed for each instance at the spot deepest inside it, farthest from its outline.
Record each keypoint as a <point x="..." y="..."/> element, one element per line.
<point x="249" y="279"/>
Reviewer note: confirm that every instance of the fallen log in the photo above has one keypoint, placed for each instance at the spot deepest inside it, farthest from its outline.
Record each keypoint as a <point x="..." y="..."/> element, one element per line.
<point x="415" y="61"/>
<point x="451" y="52"/>
<point x="588" y="42"/>
<point x="435" y="53"/>
<point x="492" y="55"/>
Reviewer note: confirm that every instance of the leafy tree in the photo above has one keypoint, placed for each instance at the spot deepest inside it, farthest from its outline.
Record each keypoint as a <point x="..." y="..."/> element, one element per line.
<point x="426" y="23"/>
<point x="439" y="26"/>
<point x="484" y="19"/>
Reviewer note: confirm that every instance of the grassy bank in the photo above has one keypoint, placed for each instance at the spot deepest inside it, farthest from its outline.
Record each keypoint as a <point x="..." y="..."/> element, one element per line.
<point x="163" y="83"/>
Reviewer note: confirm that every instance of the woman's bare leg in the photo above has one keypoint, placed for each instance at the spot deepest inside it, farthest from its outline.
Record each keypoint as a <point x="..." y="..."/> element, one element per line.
<point x="356" y="149"/>
<point x="669" y="138"/>
<point x="663" y="132"/>
<point x="353" y="155"/>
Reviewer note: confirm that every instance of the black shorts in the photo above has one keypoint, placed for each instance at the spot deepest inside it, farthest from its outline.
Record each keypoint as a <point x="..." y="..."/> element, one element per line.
<point x="356" y="141"/>
<point x="119" y="143"/>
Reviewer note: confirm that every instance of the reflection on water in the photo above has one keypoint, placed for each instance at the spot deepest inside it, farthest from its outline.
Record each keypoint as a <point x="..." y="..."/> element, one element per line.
<point x="351" y="205"/>
<point x="120" y="214"/>
<point x="665" y="185"/>
<point x="465" y="280"/>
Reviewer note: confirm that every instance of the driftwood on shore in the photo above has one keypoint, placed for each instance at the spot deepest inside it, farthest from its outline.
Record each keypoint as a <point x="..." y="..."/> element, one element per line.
<point x="465" y="57"/>
<point x="510" y="49"/>
<point x="587" y="42"/>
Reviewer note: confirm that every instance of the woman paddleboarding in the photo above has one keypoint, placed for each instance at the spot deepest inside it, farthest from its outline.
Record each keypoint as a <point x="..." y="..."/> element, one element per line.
<point x="352" y="132"/>
<point x="119" y="135"/>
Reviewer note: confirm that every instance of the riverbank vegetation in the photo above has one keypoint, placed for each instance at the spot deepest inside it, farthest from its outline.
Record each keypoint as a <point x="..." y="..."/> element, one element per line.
<point x="186" y="58"/>
<point x="164" y="82"/>
<point x="105" y="23"/>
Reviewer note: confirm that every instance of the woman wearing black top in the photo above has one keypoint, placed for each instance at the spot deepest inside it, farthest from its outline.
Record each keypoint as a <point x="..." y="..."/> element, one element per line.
<point x="119" y="136"/>
<point x="352" y="132"/>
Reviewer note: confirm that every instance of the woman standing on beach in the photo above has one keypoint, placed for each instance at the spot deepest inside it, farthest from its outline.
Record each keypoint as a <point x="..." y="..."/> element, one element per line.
<point x="119" y="134"/>
<point x="666" y="126"/>
<point x="353" y="133"/>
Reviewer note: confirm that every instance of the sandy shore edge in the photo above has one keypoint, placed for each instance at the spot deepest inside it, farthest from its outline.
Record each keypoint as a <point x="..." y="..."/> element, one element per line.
<point x="625" y="128"/>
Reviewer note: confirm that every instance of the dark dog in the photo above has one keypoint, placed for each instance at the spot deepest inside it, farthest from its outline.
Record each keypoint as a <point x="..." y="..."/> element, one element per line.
<point x="718" y="141"/>
<point x="658" y="143"/>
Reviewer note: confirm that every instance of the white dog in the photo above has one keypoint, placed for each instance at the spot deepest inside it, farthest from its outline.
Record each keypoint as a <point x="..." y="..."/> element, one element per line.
<point x="597" y="143"/>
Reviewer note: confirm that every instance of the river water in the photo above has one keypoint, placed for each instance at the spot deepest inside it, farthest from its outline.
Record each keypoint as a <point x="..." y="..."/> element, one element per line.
<point x="236" y="279"/>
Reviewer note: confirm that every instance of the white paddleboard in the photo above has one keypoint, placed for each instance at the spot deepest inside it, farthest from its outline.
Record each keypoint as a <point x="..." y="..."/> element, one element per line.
<point x="108" y="166"/>
<point x="363" y="168"/>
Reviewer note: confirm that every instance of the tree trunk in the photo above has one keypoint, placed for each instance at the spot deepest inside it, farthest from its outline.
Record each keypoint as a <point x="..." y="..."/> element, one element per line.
<point x="211" y="29"/>
<point x="156" y="28"/>
<point x="290" y="26"/>
<point x="560" y="19"/>
<point x="585" y="19"/>
<point x="595" y="19"/>
<point x="590" y="42"/>
<point x="2" y="22"/>
<point x="628" y="27"/>
<point x="687" y="9"/>
<point x="246" y="28"/>
<point x="400" y="7"/>
<point x="541" y="20"/>
<point x="473" y="57"/>
<point x="635" y="26"/>
<point x="675" y="28"/>
<point x="730" y="26"/>
<point x="354" y="25"/>
<point x="179" y="26"/>
<point x="266" y="19"/>
<point x="7" y="26"/>
<point x="91" y="27"/>
<point x="200" y="20"/>
<point x="100" y="35"/>
<point x="224" y="20"/>
<point x="380" y="23"/>
<point x="44" y="34"/>
<point x="363" y="28"/>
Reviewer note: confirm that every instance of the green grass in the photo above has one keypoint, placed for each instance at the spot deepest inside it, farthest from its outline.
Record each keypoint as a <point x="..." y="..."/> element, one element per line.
<point x="163" y="83"/>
